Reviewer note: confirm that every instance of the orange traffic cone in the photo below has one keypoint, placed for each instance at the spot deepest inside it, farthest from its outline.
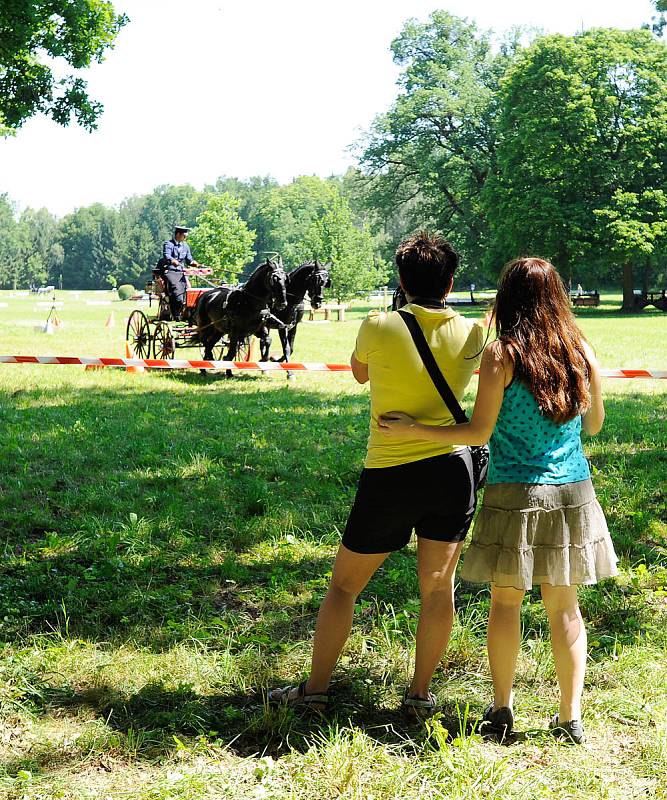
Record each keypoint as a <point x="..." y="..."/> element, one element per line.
<point x="129" y="355"/>
<point x="110" y="323"/>
<point x="56" y="321"/>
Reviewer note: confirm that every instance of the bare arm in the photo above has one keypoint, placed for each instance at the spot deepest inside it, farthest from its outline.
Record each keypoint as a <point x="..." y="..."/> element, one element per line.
<point x="493" y="376"/>
<point x="359" y="370"/>
<point x="592" y="420"/>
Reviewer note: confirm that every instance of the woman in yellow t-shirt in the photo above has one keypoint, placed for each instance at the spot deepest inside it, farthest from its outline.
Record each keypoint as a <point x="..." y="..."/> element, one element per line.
<point x="406" y="485"/>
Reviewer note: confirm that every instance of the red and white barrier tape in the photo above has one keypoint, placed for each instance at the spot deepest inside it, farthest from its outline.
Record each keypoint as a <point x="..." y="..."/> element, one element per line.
<point x="160" y="363"/>
<point x="634" y="373"/>
<point x="252" y="366"/>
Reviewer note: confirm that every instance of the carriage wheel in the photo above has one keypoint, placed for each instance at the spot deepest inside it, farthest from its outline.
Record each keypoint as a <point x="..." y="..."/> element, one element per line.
<point x="138" y="335"/>
<point x="243" y="353"/>
<point x="218" y="350"/>
<point x="163" y="341"/>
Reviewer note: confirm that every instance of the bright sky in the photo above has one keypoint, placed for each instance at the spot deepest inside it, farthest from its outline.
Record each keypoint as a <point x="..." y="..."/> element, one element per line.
<point x="196" y="90"/>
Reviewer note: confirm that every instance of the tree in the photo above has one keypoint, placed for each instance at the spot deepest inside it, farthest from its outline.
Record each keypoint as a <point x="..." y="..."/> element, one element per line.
<point x="92" y="240"/>
<point x="386" y="226"/>
<point x="34" y="37"/>
<point x="12" y="241"/>
<point x="582" y="118"/>
<point x="659" y="22"/>
<point x="636" y="225"/>
<point x="429" y="156"/>
<point x="149" y="220"/>
<point x="40" y="245"/>
<point x="290" y="211"/>
<point x="55" y="258"/>
<point x="251" y="193"/>
<point x="35" y="270"/>
<point x="334" y="238"/>
<point x="221" y="239"/>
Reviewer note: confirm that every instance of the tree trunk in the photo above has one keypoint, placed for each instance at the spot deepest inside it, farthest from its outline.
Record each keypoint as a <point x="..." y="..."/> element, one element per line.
<point x="628" y="289"/>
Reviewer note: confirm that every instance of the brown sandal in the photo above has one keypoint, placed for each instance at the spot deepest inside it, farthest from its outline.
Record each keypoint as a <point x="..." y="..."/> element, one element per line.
<point x="419" y="707"/>
<point x="296" y="696"/>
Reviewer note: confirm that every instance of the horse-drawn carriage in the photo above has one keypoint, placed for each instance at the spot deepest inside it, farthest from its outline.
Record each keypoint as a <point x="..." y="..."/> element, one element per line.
<point x="159" y="335"/>
<point x="219" y="318"/>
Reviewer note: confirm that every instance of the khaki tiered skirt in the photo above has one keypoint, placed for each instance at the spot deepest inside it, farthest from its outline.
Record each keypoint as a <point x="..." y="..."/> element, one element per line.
<point x="527" y="534"/>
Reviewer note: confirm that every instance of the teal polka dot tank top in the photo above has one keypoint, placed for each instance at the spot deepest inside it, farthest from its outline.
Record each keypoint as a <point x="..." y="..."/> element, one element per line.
<point x="527" y="447"/>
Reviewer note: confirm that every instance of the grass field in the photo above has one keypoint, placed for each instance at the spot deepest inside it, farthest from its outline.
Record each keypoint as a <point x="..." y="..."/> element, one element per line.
<point x="167" y="539"/>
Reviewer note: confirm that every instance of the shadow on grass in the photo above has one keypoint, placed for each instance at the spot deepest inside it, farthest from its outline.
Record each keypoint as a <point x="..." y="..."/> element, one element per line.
<point x="630" y="461"/>
<point x="210" y="508"/>
<point x="155" y="719"/>
<point x="153" y="511"/>
<point x="130" y="506"/>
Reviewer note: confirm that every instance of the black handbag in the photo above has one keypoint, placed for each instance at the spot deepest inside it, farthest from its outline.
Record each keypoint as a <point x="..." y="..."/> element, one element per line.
<point x="479" y="453"/>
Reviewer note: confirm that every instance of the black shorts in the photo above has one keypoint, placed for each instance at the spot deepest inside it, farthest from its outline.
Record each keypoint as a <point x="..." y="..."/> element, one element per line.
<point x="433" y="496"/>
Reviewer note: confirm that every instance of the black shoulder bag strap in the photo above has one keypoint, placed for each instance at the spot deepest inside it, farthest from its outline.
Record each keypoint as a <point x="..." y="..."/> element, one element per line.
<point x="432" y="367"/>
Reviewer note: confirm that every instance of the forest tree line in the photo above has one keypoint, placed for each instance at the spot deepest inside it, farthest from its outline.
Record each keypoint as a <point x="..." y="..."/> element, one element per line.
<point x="552" y="145"/>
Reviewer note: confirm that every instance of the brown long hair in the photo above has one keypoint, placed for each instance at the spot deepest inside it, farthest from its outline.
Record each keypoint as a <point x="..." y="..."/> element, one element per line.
<point x="537" y="331"/>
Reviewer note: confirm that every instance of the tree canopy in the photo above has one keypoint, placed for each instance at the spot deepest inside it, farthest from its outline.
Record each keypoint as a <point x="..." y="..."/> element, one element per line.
<point x="36" y="38"/>
<point x="221" y="238"/>
<point x="429" y="156"/>
<point x="95" y="246"/>
<point x="658" y="22"/>
<point x="335" y="238"/>
<point x="582" y="119"/>
<point x="556" y="147"/>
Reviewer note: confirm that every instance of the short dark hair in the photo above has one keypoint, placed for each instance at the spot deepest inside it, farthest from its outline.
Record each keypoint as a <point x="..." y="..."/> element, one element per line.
<point x="426" y="264"/>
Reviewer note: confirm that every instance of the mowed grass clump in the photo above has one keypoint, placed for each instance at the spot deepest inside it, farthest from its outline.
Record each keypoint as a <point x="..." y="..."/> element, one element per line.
<point x="167" y="540"/>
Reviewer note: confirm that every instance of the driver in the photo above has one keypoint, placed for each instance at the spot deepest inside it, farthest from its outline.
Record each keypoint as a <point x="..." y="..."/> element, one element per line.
<point x="175" y="254"/>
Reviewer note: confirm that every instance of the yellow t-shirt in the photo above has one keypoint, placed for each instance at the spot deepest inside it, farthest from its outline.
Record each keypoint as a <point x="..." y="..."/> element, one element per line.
<point x="399" y="380"/>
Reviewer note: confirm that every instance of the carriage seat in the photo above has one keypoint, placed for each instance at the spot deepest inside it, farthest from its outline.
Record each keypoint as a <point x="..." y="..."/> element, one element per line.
<point x="193" y="295"/>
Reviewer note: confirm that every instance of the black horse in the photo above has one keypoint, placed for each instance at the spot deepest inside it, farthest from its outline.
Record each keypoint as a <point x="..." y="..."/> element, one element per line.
<point x="236" y="313"/>
<point x="312" y="278"/>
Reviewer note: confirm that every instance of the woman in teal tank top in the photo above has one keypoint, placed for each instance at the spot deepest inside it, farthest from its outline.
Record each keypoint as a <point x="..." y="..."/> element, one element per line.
<point x="528" y="447"/>
<point x="540" y="522"/>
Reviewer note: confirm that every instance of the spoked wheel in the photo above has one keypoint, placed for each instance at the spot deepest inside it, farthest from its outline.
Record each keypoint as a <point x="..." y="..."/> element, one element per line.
<point x="217" y="349"/>
<point x="138" y="335"/>
<point x="243" y="353"/>
<point x="163" y="341"/>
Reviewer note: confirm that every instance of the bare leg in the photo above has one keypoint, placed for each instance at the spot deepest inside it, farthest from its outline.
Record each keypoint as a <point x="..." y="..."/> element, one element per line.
<point x="503" y="641"/>
<point x="437" y="563"/>
<point x="569" y="646"/>
<point x="351" y="573"/>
